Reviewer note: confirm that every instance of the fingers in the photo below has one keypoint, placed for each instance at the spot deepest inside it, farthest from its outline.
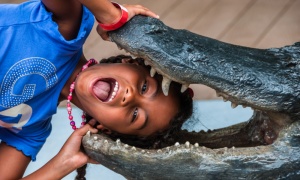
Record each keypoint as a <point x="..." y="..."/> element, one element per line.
<point x="132" y="11"/>
<point x="84" y="129"/>
<point x="138" y="9"/>
<point x="74" y="141"/>
<point x="92" y="161"/>
<point x="92" y="122"/>
<point x="103" y="34"/>
<point x="145" y="11"/>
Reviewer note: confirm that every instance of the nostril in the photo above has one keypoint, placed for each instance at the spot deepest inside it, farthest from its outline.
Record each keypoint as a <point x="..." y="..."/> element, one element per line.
<point x="126" y="91"/>
<point x="123" y="99"/>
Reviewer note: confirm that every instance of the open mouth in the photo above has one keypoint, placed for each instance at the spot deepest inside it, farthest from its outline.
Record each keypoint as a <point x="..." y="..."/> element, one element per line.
<point x="106" y="89"/>
<point x="266" y="80"/>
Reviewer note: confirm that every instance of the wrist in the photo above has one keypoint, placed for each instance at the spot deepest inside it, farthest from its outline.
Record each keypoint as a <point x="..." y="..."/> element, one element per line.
<point x="119" y="23"/>
<point x="61" y="166"/>
<point x="56" y="168"/>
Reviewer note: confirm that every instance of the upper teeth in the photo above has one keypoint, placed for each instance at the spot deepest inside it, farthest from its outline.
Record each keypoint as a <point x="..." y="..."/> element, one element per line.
<point x="184" y="87"/>
<point x="152" y="72"/>
<point x="165" y="85"/>
<point x="166" y="81"/>
<point x="226" y="97"/>
<point x="115" y="90"/>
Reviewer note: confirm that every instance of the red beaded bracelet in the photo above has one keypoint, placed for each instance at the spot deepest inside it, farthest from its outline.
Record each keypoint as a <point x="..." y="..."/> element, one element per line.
<point x="120" y="23"/>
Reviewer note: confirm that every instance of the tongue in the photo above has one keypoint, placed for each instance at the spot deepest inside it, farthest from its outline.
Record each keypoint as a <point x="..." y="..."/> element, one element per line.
<point x="101" y="90"/>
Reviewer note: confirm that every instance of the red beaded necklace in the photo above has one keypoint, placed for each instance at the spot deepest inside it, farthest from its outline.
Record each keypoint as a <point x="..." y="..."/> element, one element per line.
<point x="72" y="86"/>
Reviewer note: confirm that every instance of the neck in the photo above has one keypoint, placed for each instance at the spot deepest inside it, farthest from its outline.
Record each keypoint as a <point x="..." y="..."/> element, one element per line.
<point x="66" y="89"/>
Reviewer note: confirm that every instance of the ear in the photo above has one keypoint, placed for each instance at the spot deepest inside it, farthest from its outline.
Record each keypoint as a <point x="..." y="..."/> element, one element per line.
<point x="104" y="129"/>
<point x="131" y="61"/>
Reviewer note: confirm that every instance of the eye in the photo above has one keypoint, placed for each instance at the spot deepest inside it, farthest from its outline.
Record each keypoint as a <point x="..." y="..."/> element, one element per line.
<point x="144" y="87"/>
<point x="135" y="113"/>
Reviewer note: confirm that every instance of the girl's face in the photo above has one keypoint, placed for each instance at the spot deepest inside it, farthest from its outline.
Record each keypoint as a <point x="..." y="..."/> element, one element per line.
<point x="123" y="97"/>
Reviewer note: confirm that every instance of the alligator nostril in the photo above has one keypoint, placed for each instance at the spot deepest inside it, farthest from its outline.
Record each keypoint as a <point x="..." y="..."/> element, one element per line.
<point x="291" y="64"/>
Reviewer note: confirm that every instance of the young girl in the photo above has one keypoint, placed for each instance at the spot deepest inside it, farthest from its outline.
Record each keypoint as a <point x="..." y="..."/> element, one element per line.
<point x="137" y="94"/>
<point x="141" y="94"/>
<point x="41" y="64"/>
<point x="41" y="44"/>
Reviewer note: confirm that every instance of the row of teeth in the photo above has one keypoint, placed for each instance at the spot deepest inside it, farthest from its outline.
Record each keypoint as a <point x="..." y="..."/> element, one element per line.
<point x="166" y="85"/>
<point x="115" y="90"/>
<point x="165" y="82"/>
<point x="187" y="144"/>
<point x="225" y="99"/>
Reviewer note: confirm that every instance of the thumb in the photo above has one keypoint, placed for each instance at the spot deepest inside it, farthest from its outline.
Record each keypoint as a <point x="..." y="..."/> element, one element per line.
<point x="84" y="129"/>
<point x="103" y="33"/>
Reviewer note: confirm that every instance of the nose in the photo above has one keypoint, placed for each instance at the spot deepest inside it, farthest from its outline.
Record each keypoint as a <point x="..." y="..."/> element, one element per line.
<point x="128" y="96"/>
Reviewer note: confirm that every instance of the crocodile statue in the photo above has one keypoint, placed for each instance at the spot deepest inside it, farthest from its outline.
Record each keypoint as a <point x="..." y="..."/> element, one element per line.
<point x="267" y="80"/>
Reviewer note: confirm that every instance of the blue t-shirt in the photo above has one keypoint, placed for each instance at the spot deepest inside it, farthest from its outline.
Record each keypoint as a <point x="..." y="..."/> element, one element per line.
<point x="35" y="63"/>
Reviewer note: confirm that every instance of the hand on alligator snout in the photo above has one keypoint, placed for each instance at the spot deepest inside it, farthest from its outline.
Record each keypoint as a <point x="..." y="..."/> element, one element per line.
<point x="71" y="151"/>
<point x="132" y="10"/>
<point x="102" y="33"/>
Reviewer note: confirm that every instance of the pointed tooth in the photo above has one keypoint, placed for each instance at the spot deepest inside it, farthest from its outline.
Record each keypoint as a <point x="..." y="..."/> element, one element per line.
<point x="146" y="63"/>
<point x="225" y="149"/>
<point x="152" y="72"/>
<point x="165" y="85"/>
<point x="184" y="87"/>
<point x="225" y="100"/>
<point x="88" y="134"/>
<point x="187" y="144"/>
<point x="233" y="105"/>
<point x="118" y="141"/>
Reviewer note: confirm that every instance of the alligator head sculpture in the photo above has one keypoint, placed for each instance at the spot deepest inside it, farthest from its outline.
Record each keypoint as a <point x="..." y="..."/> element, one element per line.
<point x="267" y="80"/>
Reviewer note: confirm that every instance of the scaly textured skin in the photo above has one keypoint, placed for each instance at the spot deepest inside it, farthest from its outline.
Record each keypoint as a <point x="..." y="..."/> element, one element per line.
<point x="186" y="161"/>
<point x="268" y="80"/>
